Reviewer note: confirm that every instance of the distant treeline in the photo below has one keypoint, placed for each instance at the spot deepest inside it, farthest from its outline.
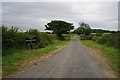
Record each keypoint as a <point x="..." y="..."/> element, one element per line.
<point x="103" y="31"/>
<point x="85" y="29"/>
<point x="105" y="37"/>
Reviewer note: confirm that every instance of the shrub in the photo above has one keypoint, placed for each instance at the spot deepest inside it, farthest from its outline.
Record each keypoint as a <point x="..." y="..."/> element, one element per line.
<point x="44" y="40"/>
<point x="113" y="40"/>
<point x="13" y="39"/>
<point x="103" y="38"/>
<point x="95" y="38"/>
<point x="86" y="37"/>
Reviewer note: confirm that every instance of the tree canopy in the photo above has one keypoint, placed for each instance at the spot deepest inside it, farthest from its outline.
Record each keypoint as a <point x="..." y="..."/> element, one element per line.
<point x="84" y="25"/>
<point x="59" y="27"/>
<point x="83" y="29"/>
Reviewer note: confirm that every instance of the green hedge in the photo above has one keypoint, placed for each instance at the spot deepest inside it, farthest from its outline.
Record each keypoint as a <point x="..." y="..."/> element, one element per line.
<point x="13" y="39"/>
<point x="114" y="40"/>
<point x="86" y="37"/>
<point x="103" y="39"/>
<point x="111" y="40"/>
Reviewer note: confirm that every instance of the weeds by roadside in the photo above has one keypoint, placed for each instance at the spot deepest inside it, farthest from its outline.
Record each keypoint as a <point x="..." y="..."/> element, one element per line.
<point x="15" y="62"/>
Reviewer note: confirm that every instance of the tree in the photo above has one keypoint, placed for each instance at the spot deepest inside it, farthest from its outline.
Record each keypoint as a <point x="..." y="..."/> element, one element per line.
<point x="84" y="25"/>
<point x="83" y="29"/>
<point x="79" y="31"/>
<point x="59" y="27"/>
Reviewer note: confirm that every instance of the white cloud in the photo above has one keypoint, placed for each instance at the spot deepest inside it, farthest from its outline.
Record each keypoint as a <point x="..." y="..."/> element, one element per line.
<point x="0" y="13"/>
<point x="102" y="15"/>
<point x="60" y="0"/>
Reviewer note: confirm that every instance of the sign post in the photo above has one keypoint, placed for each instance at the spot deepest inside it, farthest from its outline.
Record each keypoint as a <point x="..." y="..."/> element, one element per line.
<point x="31" y="41"/>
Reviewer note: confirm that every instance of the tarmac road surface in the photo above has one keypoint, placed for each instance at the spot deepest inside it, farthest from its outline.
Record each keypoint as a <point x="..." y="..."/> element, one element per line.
<point x="73" y="61"/>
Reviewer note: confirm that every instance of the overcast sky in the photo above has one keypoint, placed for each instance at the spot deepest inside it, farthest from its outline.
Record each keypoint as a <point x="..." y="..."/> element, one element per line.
<point x="26" y="15"/>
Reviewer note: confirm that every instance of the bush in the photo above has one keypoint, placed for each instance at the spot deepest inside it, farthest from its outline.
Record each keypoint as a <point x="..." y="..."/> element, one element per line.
<point x="13" y="39"/>
<point x="113" y="40"/>
<point x="44" y="39"/>
<point x="103" y="38"/>
<point x="95" y="38"/>
<point x="86" y="37"/>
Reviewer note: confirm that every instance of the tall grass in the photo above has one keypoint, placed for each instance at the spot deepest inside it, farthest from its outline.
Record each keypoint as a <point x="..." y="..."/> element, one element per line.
<point x="15" y="52"/>
<point x="13" y="40"/>
<point x="13" y="63"/>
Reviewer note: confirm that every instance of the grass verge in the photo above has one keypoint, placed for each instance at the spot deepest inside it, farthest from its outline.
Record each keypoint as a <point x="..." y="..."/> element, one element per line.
<point x="15" y="62"/>
<point x="111" y="54"/>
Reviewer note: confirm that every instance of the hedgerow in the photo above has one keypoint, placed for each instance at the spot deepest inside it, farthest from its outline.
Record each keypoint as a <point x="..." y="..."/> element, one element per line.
<point x="12" y="38"/>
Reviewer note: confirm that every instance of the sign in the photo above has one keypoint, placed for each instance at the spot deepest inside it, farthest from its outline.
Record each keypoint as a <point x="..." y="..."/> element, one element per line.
<point x="31" y="41"/>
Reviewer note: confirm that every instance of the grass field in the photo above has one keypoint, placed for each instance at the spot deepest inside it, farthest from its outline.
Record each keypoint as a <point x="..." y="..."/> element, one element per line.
<point x="99" y="33"/>
<point x="15" y="62"/>
<point x="111" y="54"/>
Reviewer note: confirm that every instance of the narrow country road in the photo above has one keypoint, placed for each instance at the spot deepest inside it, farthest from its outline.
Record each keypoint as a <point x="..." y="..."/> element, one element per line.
<point x="73" y="61"/>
